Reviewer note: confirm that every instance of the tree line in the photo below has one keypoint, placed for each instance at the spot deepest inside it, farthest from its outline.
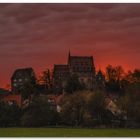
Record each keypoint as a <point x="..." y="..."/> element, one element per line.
<point x="79" y="107"/>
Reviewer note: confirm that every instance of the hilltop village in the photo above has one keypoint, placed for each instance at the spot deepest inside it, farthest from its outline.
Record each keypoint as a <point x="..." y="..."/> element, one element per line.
<point x="81" y="66"/>
<point x="72" y="94"/>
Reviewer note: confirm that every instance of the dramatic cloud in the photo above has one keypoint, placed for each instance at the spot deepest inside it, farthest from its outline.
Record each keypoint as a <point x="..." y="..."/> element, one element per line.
<point x="39" y="35"/>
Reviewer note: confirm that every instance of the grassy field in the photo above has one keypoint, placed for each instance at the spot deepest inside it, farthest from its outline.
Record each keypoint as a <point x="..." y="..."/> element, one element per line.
<point x="68" y="132"/>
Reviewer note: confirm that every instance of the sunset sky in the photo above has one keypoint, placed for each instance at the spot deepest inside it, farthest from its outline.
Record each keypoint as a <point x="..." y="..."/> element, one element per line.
<point x="40" y="35"/>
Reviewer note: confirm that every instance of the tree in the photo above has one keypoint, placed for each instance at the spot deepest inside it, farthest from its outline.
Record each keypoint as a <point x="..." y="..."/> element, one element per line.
<point x="73" y="84"/>
<point x="96" y="105"/>
<point x="9" y="115"/>
<point x="84" y="108"/>
<point x="129" y="103"/>
<point x="134" y="76"/>
<point x="47" y="81"/>
<point x="114" y="75"/>
<point x="72" y="109"/>
<point x="28" y="90"/>
<point x="131" y="82"/>
<point x="39" y="113"/>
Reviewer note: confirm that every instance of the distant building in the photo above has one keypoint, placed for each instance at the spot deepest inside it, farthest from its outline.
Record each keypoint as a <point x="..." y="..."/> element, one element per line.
<point x="82" y="66"/>
<point x="61" y="73"/>
<point x="112" y="106"/>
<point x="4" y="91"/>
<point x="55" y="101"/>
<point x="10" y="98"/>
<point x="21" y="77"/>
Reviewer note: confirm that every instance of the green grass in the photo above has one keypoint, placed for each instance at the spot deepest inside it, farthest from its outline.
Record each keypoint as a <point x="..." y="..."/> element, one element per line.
<point x="68" y="132"/>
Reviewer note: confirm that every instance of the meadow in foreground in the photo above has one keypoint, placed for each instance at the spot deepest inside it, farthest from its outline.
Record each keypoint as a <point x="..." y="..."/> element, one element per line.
<point x="68" y="132"/>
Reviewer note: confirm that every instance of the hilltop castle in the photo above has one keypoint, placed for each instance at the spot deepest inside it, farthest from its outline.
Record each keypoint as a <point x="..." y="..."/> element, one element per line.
<point x="82" y="66"/>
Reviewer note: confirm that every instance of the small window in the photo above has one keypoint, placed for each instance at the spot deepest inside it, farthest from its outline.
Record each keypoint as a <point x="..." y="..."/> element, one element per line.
<point x="100" y="78"/>
<point x="10" y="102"/>
<point x="20" y="84"/>
<point x="26" y="79"/>
<point x="15" y="84"/>
<point x="20" y="80"/>
<point x="15" y="80"/>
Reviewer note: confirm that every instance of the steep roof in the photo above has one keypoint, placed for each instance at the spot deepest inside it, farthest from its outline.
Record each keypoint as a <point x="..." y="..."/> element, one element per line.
<point x="61" y="68"/>
<point x="81" y="64"/>
<point x="23" y="71"/>
<point x="81" y="59"/>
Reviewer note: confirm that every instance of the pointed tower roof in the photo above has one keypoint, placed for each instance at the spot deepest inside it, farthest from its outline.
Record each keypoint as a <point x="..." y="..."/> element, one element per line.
<point x="69" y="53"/>
<point x="69" y="57"/>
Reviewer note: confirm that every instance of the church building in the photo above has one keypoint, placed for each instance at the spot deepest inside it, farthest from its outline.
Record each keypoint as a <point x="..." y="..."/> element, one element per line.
<point x="82" y="66"/>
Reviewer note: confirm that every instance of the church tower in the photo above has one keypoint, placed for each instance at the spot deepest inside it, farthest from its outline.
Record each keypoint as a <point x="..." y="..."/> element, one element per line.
<point x="69" y="58"/>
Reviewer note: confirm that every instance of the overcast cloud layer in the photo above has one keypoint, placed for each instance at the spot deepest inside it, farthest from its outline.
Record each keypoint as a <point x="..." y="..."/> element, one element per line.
<point x="39" y="35"/>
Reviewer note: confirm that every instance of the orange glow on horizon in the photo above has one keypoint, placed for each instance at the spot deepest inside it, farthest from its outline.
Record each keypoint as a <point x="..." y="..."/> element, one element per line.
<point x="98" y="65"/>
<point x="43" y="36"/>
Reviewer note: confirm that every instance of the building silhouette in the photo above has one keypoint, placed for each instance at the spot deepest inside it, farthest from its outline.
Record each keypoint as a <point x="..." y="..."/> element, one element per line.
<point x="20" y="77"/>
<point x="82" y="66"/>
<point x="60" y="76"/>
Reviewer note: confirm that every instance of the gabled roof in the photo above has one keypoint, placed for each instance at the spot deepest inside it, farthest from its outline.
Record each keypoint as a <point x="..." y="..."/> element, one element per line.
<point x="23" y="71"/>
<point x="81" y="57"/>
<point x="61" y="68"/>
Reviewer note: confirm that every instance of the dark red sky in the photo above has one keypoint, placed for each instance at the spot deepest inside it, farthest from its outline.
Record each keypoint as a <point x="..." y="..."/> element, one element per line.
<point x="39" y="35"/>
